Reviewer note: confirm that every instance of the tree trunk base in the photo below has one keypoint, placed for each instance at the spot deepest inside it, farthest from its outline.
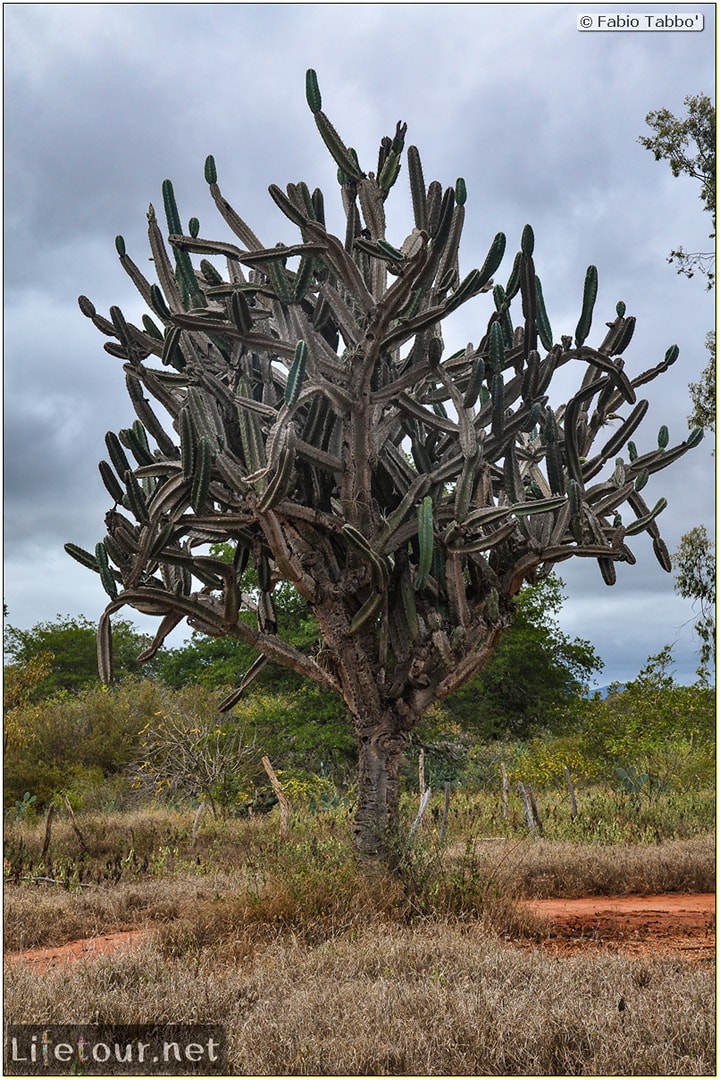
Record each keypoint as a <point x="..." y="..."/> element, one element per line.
<point x="376" y="828"/>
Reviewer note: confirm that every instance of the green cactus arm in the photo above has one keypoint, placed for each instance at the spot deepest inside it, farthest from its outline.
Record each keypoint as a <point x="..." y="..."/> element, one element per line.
<point x="642" y="523"/>
<point x="417" y="188"/>
<point x="543" y="323"/>
<point x="528" y="295"/>
<point x="236" y="223"/>
<point x="390" y="172"/>
<point x="668" y="360"/>
<point x="112" y="484"/>
<point x="288" y="207"/>
<point x="338" y="150"/>
<point x="312" y="91"/>
<point x="107" y="576"/>
<point x="588" y="303"/>
<point x="425" y="540"/>
<point x="85" y="558"/>
<point x="163" y="267"/>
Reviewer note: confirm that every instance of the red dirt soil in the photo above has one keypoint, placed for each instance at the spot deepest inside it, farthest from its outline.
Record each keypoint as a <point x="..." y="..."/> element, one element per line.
<point x="673" y="924"/>
<point x="43" y="960"/>
<point x="679" y="925"/>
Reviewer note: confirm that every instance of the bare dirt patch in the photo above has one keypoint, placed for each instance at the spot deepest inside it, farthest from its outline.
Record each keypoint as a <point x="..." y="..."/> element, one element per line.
<point x="42" y="960"/>
<point x="633" y="925"/>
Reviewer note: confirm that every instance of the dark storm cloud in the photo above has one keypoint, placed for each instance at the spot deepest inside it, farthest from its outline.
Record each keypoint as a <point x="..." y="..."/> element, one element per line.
<point x="104" y="101"/>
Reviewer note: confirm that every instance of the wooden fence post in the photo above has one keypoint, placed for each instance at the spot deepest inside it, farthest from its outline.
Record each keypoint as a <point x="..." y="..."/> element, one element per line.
<point x="196" y="822"/>
<point x="48" y="829"/>
<point x="528" y="811"/>
<point x="75" y="826"/>
<point x="571" y="789"/>
<point x="423" y="807"/>
<point x="505" y="788"/>
<point x="282" y="797"/>
<point x="534" y="808"/>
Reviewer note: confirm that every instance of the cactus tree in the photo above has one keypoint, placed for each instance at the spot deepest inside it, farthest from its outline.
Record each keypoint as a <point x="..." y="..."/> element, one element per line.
<point x="306" y="413"/>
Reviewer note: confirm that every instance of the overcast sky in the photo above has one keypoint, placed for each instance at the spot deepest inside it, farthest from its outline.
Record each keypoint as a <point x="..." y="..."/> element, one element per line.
<point x="104" y="101"/>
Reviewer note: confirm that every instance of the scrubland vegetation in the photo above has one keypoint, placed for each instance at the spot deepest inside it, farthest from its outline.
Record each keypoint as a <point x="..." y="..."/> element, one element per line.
<point x="125" y="810"/>
<point x="316" y="967"/>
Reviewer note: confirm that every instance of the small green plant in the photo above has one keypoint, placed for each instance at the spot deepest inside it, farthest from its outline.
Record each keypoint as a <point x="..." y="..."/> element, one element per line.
<point x="24" y="808"/>
<point x="631" y="781"/>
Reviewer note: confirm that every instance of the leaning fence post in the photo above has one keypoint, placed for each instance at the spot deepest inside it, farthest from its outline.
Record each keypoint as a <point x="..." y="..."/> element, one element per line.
<point x="48" y="829"/>
<point x="423" y="807"/>
<point x="534" y="808"/>
<point x="196" y="822"/>
<point x="571" y="789"/>
<point x="75" y="825"/>
<point x="526" y="804"/>
<point x="505" y="789"/>
<point x="282" y="797"/>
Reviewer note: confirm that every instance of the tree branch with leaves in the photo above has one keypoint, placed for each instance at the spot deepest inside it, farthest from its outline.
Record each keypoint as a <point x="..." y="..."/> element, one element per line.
<point x="688" y="145"/>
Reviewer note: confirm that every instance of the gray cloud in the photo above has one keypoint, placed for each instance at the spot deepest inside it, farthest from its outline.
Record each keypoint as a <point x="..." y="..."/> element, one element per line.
<point x="104" y="101"/>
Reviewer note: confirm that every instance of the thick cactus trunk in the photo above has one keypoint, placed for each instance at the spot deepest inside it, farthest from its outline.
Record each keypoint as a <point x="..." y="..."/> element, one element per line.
<point x="380" y="750"/>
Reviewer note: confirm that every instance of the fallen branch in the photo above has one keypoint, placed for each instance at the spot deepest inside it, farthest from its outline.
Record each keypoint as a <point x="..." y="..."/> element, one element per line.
<point x="51" y="881"/>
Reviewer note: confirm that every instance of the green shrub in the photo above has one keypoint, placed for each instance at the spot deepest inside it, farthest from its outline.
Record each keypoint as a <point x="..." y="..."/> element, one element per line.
<point x="72" y="743"/>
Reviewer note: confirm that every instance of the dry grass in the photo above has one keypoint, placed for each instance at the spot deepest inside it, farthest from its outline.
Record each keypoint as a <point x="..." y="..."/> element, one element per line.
<point x="538" y="869"/>
<point x="427" y="999"/>
<point x="37" y="916"/>
<point x="317" y="969"/>
<point x="311" y="885"/>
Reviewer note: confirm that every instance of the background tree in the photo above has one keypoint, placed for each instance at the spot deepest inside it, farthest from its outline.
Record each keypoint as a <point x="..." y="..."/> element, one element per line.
<point x="317" y="426"/>
<point x="21" y="682"/>
<point x="651" y="734"/>
<point x="674" y="141"/>
<point x="187" y="751"/>
<point x="703" y="392"/>
<point x="69" y="648"/>
<point x="81" y="744"/>
<point x="688" y="145"/>
<point x="20" y="687"/>
<point x="534" y="672"/>
<point x="695" y="580"/>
